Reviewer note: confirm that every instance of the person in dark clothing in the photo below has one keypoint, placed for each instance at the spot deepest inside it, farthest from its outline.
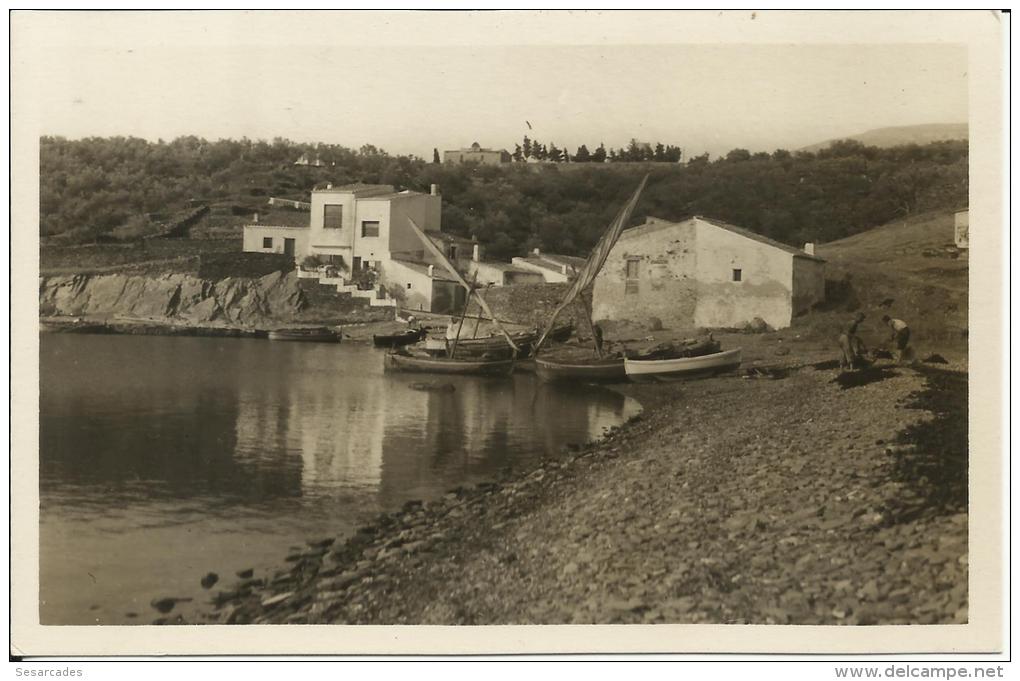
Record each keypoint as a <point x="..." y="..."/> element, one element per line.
<point x="597" y="331"/>
<point x="851" y="346"/>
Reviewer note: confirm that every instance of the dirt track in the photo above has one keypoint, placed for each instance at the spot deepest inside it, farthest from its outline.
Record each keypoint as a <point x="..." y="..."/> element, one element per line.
<point x="731" y="500"/>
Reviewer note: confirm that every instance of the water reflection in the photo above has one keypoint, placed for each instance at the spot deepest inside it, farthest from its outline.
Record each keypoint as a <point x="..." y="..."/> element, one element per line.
<point x="163" y="458"/>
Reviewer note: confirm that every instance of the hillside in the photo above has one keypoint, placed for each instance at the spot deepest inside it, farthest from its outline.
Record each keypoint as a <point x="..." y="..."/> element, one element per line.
<point x="907" y="269"/>
<point x="902" y="134"/>
<point x="122" y="189"/>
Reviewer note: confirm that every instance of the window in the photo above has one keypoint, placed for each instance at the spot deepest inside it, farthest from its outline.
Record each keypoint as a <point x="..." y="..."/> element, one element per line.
<point x="408" y="285"/>
<point x="332" y="217"/>
<point x="453" y="252"/>
<point x="369" y="228"/>
<point x="267" y="242"/>
<point x="632" y="269"/>
<point x="737" y="275"/>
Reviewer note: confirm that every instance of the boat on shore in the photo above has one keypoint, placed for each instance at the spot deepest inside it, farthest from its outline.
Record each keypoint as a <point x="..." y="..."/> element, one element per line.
<point x="594" y="370"/>
<point x="445" y="365"/>
<point x="679" y="368"/>
<point x="312" y="335"/>
<point x="396" y="340"/>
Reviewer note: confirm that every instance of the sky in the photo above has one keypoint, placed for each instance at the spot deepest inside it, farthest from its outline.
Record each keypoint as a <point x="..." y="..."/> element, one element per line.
<point x="411" y="82"/>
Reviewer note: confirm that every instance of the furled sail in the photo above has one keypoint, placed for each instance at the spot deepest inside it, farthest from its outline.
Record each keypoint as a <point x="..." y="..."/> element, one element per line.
<point x="595" y="261"/>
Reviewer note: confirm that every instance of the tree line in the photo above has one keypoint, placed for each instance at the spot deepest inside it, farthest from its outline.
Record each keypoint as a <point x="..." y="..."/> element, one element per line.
<point x="92" y="186"/>
<point x="635" y="151"/>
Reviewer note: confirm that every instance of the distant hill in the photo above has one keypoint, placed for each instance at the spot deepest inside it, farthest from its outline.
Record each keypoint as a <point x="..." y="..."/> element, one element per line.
<point x="903" y="134"/>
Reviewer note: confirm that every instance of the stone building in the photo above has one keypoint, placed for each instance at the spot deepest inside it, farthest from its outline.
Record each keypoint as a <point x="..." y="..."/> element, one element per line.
<point x="705" y="273"/>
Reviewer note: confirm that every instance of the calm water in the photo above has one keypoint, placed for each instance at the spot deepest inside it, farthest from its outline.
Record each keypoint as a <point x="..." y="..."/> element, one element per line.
<point x="163" y="458"/>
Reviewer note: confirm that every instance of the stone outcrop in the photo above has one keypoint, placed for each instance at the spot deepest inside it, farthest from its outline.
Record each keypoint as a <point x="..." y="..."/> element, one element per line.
<point x="180" y="297"/>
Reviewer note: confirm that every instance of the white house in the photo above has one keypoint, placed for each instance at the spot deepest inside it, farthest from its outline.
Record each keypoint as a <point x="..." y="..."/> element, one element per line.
<point x="553" y="268"/>
<point x="359" y="227"/>
<point x="961" y="228"/>
<point x="705" y="273"/>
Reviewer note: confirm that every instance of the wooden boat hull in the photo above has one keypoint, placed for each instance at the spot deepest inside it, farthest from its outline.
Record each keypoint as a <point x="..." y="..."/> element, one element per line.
<point x="304" y="336"/>
<point x="682" y="367"/>
<point x="585" y="371"/>
<point x="398" y="339"/>
<point x="442" y="365"/>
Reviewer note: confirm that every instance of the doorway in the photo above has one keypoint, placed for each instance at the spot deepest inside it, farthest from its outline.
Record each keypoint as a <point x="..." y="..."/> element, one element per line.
<point x="288" y="247"/>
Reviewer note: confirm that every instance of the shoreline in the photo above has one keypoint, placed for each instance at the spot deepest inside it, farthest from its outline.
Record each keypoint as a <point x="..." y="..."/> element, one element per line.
<point x="156" y="327"/>
<point x="676" y="506"/>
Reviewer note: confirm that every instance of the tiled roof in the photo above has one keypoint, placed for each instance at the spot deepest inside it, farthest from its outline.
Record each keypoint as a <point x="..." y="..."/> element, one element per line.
<point x="654" y="224"/>
<point x="760" y="238"/>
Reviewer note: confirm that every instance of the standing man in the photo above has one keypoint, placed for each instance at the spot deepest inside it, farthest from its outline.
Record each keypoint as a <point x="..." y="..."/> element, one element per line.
<point x="900" y="335"/>
<point x="851" y="346"/>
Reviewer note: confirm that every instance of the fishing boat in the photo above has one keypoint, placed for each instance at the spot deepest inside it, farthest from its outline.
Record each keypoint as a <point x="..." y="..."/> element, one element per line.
<point x="320" y="334"/>
<point x="396" y="340"/>
<point x="494" y="346"/>
<point x="599" y="368"/>
<point x="594" y="370"/>
<point x="445" y="365"/>
<point x="679" y="368"/>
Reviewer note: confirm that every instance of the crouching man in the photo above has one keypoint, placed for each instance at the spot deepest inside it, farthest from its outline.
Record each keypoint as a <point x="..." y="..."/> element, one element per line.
<point x="900" y="336"/>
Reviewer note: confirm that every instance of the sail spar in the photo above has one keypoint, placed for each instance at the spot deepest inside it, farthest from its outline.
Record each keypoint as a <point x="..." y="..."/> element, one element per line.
<point x="438" y="255"/>
<point x="595" y="261"/>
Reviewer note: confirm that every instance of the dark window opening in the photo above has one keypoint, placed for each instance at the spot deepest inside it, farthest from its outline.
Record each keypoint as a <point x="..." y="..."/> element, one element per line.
<point x="332" y="217"/>
<point x="409" y="285"/>
<point x="737" y="275"/>
<point x="267" y="242"/>
<point x="632" y="269"/>
<point x="369" y="228"/>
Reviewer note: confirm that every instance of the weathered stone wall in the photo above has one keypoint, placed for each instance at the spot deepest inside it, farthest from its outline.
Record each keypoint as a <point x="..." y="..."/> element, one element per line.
<point x="684" y="275"/>
<point x="533" y="304"/>
<point x="764" y="289"/>
<point x="808" y="284"/>
<point x="182" y="297"/>
<point x="665" y="258"/>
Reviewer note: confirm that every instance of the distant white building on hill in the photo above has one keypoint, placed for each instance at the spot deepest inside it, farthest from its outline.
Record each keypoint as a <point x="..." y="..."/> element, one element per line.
<point x="705" y="273"/>
<point x="961" y="229"/>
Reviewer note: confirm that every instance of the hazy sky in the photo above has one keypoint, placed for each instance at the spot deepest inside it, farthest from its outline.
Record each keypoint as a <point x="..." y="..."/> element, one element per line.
<point x="336" y="79"/>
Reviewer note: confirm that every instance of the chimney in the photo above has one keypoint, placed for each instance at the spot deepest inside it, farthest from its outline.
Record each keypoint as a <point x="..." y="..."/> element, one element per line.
<point x="255" y="217"/>
<point x="537" y="252"/>
<point x="434" y="190"/>
<point x="809" y="248"/>
<point x="476" y="253"/>
<point x="563" y="269"/>
<point x="432" y="268"/>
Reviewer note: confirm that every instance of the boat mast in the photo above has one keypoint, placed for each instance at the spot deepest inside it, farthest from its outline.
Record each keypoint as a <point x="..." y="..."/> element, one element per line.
<point x="438" y="255"/>
<point x="595" y="261"/>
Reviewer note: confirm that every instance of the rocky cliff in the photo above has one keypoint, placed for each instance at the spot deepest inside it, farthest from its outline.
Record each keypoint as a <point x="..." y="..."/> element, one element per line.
<point x="177" y="297"/>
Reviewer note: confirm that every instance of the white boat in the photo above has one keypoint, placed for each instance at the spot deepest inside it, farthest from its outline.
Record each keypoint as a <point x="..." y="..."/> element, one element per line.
<point x="681" y="367"/>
